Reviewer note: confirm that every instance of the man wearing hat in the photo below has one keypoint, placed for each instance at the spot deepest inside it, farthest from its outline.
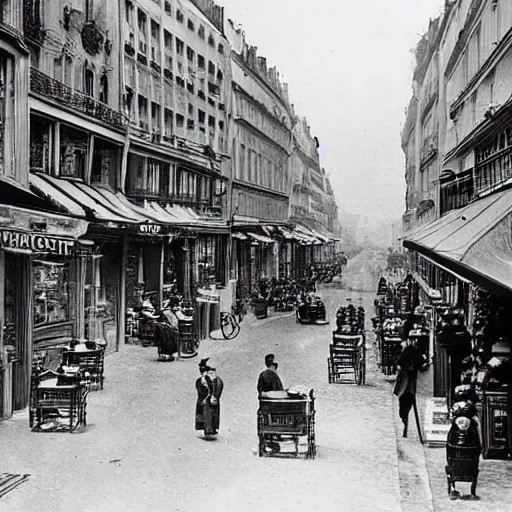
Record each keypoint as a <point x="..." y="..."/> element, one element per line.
<point x="269" y="379"/>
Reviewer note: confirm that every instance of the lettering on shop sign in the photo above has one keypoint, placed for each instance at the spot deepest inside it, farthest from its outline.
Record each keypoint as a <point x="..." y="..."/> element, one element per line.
<point x="150" y="229"/>
<point x="36" y="243"/>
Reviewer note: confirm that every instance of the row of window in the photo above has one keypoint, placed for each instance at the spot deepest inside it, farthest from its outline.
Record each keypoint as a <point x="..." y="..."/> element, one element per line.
<point x="169" y="122"/>
<point x="262" y="120"/>
<point x="143" y="28"/>
<point x="260" y="206"/>
<point x="83" y="78"/>
<point x="70" y="147"/>
<point x="151" y="177"/>
<point x="256" y="168"/>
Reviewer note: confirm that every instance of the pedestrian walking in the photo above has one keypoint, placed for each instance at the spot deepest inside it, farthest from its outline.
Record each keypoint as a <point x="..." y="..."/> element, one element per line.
<point x="217" y="388"/>
<point x="204" y="408"/>
<point x="408" y="365"/>
<point x="269" y="380"/>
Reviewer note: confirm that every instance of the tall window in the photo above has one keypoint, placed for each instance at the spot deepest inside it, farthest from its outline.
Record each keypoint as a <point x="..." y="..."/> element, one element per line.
<point x="168" y="123"/>
<point x="142" y="104"/>
<point x="155" y="41"/>
<point x="104" y="88"/>
<point x="105" y="163"/>
<point x="88" y="9"/>
<point x="142" y="30"/>
<point x="41" y="144"/>
<point x="153" y="181"/>
<point x="155" y="117"/>
<point x="73" y="152"/>
<point x="89" y="81"/>
<point x="7" y="117"/>
<point x="168" y="50"/>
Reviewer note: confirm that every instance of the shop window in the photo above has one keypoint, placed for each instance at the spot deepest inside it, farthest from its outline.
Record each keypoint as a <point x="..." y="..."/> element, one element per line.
<point x="135" y="174"/>
<point x="105" y="163"/>
<point x="73" y="152"/>
<point x="41" y="145"/>
<point x="104" y="88"/>
<point x="52" y="278"/>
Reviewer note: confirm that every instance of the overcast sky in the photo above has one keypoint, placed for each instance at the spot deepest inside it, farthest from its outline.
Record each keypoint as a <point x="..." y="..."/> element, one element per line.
<point x="349" y="68"/>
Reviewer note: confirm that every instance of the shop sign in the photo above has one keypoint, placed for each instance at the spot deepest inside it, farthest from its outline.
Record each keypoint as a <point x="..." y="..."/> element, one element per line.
<point x="150" y="229"/>
<point x="36" y="242"/>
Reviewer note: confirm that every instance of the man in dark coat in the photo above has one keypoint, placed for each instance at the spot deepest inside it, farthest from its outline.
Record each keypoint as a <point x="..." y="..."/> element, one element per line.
<point x="408" y="365"/>
<point x="269" y="379"/>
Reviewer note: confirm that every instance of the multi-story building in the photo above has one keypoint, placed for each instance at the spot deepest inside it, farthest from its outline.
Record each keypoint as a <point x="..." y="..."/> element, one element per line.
<point x="462" y="253"/>
<point x="312" y="202"/>
<point x="261" y="143"/>
<point x="177" y="84"/>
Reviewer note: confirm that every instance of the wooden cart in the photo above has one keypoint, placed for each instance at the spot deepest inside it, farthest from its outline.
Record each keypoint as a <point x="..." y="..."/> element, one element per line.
<point x="284" y="420"/>
<point x="347" y="359"/>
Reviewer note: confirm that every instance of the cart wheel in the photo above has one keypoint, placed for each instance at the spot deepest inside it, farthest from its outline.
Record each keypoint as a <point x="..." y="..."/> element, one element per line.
<point x="357" y="369"/>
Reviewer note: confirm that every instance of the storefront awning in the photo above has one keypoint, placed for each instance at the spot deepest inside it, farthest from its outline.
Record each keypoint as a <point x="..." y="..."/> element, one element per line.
<point x="76" y="198"/>
<point x="474" y="242"/>
<point x="81" y="200"/>
<point x="261" y="238"/>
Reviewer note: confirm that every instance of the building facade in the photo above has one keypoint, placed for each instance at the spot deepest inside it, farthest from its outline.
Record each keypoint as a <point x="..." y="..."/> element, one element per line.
<point x="261" y="142"/>
<point x="460" y="243"/>
<point x="177" y="83"/>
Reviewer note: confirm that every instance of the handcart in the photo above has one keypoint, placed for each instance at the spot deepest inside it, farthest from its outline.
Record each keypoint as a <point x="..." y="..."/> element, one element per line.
<point x="462" y="466"/>
<point x="285" y="420"/>
<point x="389" y="349"/>
<point x="347" y="359"/>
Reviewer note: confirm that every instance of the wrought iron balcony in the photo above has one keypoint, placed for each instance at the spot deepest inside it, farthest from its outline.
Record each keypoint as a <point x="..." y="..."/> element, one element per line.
<point x="42" y="84"/>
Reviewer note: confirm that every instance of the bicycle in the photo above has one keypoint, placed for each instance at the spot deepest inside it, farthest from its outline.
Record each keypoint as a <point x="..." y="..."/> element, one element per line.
<point x="230" y="322"/>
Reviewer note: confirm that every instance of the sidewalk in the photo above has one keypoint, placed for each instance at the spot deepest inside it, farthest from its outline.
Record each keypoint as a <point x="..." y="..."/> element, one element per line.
<point x="416" y="461"/>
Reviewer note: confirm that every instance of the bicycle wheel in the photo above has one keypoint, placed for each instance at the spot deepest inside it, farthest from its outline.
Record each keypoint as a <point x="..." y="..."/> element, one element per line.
<point x="229" y="327"/>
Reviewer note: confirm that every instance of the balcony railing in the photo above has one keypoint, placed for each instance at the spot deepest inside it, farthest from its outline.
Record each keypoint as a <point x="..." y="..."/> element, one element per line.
<point x="42" y="84"/>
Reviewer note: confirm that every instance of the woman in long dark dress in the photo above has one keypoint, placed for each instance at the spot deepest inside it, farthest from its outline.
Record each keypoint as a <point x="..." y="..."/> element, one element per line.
<point x="204" y="387"/>
<point x="217" y="388"/>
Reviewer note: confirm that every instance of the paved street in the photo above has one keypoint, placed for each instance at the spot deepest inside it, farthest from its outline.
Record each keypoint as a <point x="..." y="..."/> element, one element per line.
<point x="140" y="450"/>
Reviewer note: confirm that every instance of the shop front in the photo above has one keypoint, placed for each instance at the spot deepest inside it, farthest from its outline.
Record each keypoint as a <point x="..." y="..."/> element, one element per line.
<point x="40" y="262"/>
<point x="466" y="255"/>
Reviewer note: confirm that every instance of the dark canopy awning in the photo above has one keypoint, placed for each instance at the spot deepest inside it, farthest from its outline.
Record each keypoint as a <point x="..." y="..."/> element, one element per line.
<point x="474" y="242"/>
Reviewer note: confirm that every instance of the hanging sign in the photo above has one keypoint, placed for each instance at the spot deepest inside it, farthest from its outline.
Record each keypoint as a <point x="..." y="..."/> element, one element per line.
<point x="36" y="242"/>
<point x="150" y="229"/>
